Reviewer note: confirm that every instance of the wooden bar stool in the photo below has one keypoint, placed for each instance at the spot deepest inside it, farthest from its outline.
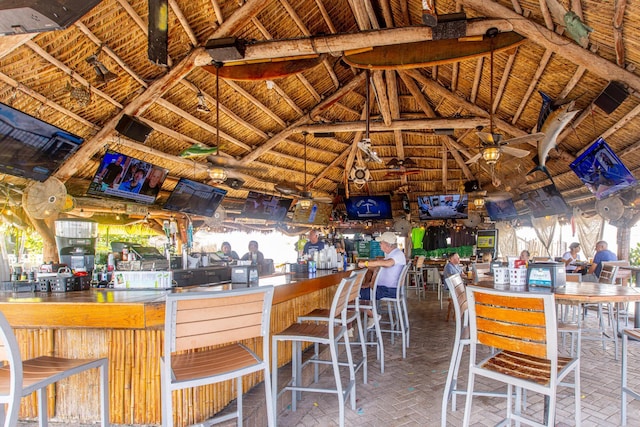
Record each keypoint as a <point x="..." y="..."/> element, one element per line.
<point x="19" y="378"/>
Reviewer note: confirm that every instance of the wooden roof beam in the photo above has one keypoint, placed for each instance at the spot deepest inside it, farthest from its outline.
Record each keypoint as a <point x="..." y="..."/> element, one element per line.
<point x="618" y="38"/>
<point x="557" y="44"/>
<point x="546" y="57"/>
<point x="338" y="43"/>
<point x="183" y="22"/>
<point x="252" y="99"/>
<point x="435" y="123"/>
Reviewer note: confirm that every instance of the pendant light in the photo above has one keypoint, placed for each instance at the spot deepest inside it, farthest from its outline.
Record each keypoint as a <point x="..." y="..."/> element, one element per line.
<point x="217" y="174"/>
<point x="305" y="202"/>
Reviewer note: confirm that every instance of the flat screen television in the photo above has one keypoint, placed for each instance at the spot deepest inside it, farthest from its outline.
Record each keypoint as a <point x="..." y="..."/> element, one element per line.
<point x="545" y="201"/>
<point x="265" y="206"/>
<point x="316" y="214"/>
<point x="363" y="208"/>
<point x="602" y="171"/>
<point x="501" y="210"/>
<point x="194" y="198"/>
<point x="443" y="206"/>
<point x="31" y="148"/>
<point x="126" y="177"/>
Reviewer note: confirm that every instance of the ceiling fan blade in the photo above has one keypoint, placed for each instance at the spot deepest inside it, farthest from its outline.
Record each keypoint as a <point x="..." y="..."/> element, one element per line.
<point x="489" y="138"/>
<point x="474" y="159"/>
<point x="287" y="189"/>
<point x="526" y="138"/>
<point x="515" y="152"/>
<point x="497" y="196"/>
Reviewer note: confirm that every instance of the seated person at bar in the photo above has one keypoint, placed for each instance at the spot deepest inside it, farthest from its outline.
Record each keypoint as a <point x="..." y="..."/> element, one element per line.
<point x="313" y="245"/>
<point x="254" y="255"/>
<point x="453" y="267"/>
<point x="571" y="256"/>
<point x="228" y="253"/>
<point x="389" y="273"/>
<point x="603" y="254"/>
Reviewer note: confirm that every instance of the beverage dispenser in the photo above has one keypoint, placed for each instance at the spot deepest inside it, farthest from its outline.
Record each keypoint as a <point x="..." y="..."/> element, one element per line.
<point x="76" y="241"/>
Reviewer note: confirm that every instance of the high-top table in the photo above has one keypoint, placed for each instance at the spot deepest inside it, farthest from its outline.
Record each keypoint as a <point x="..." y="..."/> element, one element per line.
<point x="127" y="326"/>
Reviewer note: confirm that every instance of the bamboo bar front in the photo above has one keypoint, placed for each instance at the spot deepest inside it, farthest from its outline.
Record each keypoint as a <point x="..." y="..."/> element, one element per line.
<point x="128" y="327"/>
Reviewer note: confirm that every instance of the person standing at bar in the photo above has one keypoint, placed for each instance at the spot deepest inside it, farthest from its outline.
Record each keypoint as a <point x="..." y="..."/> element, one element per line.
<point x="313" y="245"/>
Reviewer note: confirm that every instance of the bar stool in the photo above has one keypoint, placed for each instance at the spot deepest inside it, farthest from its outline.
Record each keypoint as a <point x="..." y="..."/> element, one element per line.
<point x="329" y="333"/>
<point x="416" y="277"/>
<point x="634" y="334"/>
<point x="354" y="316"/>
<point x="397" y="312"/>
<point x="372" y="306"/>
<point x="20" y="378"/>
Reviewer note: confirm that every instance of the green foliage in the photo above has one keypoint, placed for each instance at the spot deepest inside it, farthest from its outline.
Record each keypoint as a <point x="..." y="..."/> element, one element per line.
<point x="634" y="255"/>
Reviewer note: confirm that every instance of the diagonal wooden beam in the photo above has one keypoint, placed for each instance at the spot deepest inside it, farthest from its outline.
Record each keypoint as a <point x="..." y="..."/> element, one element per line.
<point x="556" y="43"/>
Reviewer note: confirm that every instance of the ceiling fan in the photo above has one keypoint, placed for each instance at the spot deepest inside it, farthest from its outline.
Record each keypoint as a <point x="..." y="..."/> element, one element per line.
<point x="492" y="144"/>
<point x="365" y="144"/>
<point x="402" y="167"/>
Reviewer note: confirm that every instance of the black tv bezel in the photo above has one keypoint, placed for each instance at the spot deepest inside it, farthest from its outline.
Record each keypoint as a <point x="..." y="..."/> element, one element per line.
<point x="464" y="198"/>
<point x="190" y="208"/>
<point x="21" y="134"/>
<point x="116" y="193"/>
<point x="508" y="217"/>
<point x="383" y="200"/>
<point x="282" y="203"/>
<point x="539" y="213"/>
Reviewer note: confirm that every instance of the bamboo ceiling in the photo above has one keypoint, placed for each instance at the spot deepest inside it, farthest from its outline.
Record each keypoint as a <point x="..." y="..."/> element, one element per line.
<point x="262" y="121"/>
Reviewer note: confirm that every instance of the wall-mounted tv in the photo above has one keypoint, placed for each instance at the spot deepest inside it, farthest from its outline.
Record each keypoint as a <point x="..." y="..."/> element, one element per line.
<point x="31" y="148"/>
<point x="602" y="171"/>
<point x="316" y="214"/>
<point x="126" y="177"/>
<point x="265" y="206"/>
<point x="545" y="201"/>
<point x="443" y="206"/>
<point x="194" y="198"/>
<point x="363" y="208"/>
<point x="501" y="210"/>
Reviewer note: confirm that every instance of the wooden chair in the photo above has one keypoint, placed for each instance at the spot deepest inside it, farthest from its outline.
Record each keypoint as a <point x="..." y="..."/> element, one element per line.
<point x="19" y="378"/>
<point x="202" y="344"/>
<point x="354" y="318"/>
<point x="458" y="300"/>
<point x="626" y="390"/>
<point x="329" y="333"/>
<point x="522" y="327"/>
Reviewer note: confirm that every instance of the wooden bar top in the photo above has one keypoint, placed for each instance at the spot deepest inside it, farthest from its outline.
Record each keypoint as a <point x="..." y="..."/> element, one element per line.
<point x="132" y="309"/>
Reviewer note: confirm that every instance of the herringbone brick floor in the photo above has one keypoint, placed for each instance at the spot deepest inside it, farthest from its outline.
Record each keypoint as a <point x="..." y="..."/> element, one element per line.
<point x="409" y="393"/>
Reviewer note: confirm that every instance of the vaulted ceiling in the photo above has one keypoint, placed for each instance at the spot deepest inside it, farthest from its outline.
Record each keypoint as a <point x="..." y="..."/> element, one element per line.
<point x="427" y="112"/>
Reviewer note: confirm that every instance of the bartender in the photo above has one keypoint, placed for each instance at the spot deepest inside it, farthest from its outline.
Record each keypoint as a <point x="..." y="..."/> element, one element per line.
<point x="313" y="245"/>
<point x="571" y="257"/>
<point x="254" y="255"/>
<point x="227" y="253"/>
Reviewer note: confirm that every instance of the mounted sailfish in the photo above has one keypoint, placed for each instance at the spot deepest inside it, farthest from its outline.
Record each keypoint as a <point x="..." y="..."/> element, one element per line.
<point x="552" y="119"/>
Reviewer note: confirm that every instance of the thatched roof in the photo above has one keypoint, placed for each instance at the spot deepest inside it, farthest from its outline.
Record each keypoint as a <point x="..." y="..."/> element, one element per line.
<point x="261" y="122"/>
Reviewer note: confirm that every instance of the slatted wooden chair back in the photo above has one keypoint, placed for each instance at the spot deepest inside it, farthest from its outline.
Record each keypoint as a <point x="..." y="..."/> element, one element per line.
<point x="402" y="281"/>
<point x="608" y="274"/>
<point x="622" y="275"/>
<point x="518" y="322"/>
<point x="11" y="388"/>
<point x="354" y="294"/>
<point x="419" y="262"/>
<point x="458" y="292"/>
<point x="202" y="319"/>
<point x="479" y="269"/>
<point x="340" y="302"/>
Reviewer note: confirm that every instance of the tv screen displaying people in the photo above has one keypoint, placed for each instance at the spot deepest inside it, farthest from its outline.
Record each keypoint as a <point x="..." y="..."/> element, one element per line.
<point x="443" y="206"/>
<point x="126" y="177"/>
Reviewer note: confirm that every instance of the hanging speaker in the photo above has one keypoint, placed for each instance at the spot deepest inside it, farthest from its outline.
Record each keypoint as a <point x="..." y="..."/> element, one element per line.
<point x="611" y="97"/>
<point x="33" y="16"/>
<point x="471" y="186"/>
<point x="133" y="128"/>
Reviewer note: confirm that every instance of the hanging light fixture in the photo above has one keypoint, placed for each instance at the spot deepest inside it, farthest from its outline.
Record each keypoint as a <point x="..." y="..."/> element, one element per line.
<point x="478" y="202"/>
<point x="491" y="154"/>
<point x="103" y="74"/>
<point x="202" y="103"/>
<point x="217" y="174"/>
<point x="305" y="202"/>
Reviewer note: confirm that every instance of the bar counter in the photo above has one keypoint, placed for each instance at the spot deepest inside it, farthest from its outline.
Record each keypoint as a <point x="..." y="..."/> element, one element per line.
<point x="128" y="327"/>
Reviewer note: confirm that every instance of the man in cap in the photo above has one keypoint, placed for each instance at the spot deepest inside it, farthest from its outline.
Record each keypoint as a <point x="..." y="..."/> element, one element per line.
<point x="390" y="269"/>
